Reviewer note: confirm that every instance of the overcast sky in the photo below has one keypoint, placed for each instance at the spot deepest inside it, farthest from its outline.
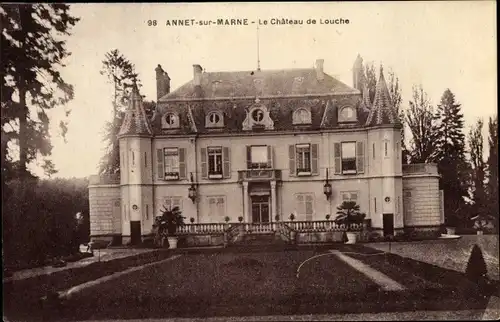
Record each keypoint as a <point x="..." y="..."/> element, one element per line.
<point x="438" y="44"/>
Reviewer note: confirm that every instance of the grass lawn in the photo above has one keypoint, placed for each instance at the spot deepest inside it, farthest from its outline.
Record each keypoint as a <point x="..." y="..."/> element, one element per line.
<point x="264" y="283"/>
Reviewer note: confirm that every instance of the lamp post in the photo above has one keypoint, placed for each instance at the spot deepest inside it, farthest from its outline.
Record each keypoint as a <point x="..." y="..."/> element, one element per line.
<point x="327" y="188"/>
<point x="192" y="190"/>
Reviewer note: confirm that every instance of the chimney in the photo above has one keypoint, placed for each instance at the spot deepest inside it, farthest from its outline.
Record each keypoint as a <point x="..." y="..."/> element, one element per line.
<point x="320" y="75"/>
<point x="161" y="87"/>
<point x="197" y="70"/>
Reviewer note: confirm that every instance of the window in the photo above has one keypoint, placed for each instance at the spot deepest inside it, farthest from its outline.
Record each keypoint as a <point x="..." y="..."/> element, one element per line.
<point x="214" y="162"/>
<point x="398" y="205"/>
<point x="170" y="121"/>
<point x="373" y="149"/>
<point x="349" y="196"/>
<point x="303" y="155"/>
<point x="375" y="204"/>
<point x="147" y="212"/>
<point x="216" y="208"/>
<point x="171" y="165"/>
<point x="305" y="205"/>
<point x="259" y="157"/>
<point x="302" y="116"/>
<point x="145" y="159"/>
<point x="133" y="158"/>
<point x="348" y="157"/>
<point x="397" y="151"/>
<point x="386" y="148"/>
<point x="214" y="119"/>
<point x="258" y="115"/>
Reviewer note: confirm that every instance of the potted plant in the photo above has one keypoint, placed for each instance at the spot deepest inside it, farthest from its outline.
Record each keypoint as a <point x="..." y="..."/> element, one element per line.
<point x="191" y="220"/>
<point x="348" y="213"/>
<point x="167" y="224"/>
<point x="481" y="221"/>
<point x="292" y="217"/>
<point x="226" y="219"/>
<point x="277" y="217"/>
<point x="240" y="218"/>
<point x="327" y="217"/>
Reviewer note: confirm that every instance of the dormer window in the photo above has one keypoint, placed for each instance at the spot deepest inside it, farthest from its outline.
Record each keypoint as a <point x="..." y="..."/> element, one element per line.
<point x="214" y="119"/>
<point x="170" y="121"/>
<point x="258" y="115"/>
<point x="302" y="116"/>
<point x="347" y="114"/>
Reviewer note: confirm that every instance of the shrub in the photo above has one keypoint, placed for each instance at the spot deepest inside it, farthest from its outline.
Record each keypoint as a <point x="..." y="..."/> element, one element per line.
<point x="476" y="270"/>
<point x="348" y="213"/>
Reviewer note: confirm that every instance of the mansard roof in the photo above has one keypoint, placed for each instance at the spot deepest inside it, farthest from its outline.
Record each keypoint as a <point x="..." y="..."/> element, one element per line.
<point x="135" y="121"/>
<point x="382" y="110"/>
<point x="260" y="83"/>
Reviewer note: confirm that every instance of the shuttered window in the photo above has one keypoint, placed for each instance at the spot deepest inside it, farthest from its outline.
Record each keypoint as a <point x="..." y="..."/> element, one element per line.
<point x="303" y="159"/>
<point x="216" y="208"/>
<point x="349" y="157"/>
<point x="305" y="205"/>
<point x="259" y="157"/>
<point x="171" y="163"/>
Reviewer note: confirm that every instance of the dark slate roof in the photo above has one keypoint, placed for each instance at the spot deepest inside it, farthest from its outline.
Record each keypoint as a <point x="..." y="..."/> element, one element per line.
<point x="135" y="121"/>
<point x="260" y="83"/>
<point x="382" y="111"/>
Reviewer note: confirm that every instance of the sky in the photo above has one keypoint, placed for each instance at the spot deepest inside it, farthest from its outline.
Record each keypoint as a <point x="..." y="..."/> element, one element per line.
<point x="436" y="44"/>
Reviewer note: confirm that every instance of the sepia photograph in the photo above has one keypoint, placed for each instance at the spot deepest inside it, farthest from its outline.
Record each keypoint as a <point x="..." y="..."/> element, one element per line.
<point x="281" y="161"/>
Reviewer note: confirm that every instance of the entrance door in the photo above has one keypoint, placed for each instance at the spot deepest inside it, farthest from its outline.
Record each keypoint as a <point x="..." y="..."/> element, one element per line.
<point x="388" y="221"/>
<point x="260" y="209"/>
<point x="135" y="232"/>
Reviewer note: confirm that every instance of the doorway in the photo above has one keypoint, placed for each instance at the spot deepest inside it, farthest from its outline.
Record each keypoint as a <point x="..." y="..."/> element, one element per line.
<point x="135" y="232"/>
<point x="260" y="209"/>
<point x="388" y="222"/>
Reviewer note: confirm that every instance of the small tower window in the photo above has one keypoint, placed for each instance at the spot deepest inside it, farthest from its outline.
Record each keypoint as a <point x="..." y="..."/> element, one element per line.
<point x="133" y="158"/>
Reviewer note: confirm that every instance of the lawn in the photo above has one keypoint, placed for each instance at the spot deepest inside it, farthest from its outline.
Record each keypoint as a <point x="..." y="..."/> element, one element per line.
<point x="265" y="283"/>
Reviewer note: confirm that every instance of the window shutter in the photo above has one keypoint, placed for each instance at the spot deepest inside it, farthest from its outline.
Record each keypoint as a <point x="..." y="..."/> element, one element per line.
<point x="309" y="207"/>
<point x="249" y="157"/>
<point x="360" y="158"/>
<point x="167" y="203"/>
<point x="269" y="156"/>
<point x="204" y="166"/>
<point x="182" y="164"/>
<point x="160" y="169"/>
<point x="338" y="158"/>
<point x="226" y="170"/>
<point x="314" y="159"/>
<point x="291" y="159"/>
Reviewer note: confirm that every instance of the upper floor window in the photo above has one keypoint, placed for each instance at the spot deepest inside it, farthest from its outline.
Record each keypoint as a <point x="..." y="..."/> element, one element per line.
<point x="214" y="119"/>
<point x="170" y="121"/>
<point x="214" y="162"/>
<point x="347" y="114"/>
<point x="303" y="158"/>
<point x="171" y="163"/>
<point x="349" y="157"/>
<point x="302" y="116"/>
<point x="386" y="148"/>
<point x="259" y="157"/>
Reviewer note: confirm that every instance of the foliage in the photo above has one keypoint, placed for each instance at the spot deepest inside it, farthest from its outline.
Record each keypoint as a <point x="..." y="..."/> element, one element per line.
<point x="449" y="153"/>
<point x="39" y="219"/>
<point x="227" y="219"/>
<point x="168" y="221"/>
<point x="478" y="166"/>
<point x="492" y="169"/>
<point x="191" y="220"/>
<point x="349" y="213"/>
<point x="419" y="118"/>
<point x="327" y="217"/>
<point x="240" y="218"/>
<point x="33" y="50"/>
<point x="292" y="217"/>
<point x="476" y="270"/>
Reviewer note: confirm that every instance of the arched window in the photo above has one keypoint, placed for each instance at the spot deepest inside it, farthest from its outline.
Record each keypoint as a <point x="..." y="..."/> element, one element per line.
<point x="214" y="119"/>
<point x="301" y="116"/>
<point x="170" y="121"/>
<point x="347" y="114"/>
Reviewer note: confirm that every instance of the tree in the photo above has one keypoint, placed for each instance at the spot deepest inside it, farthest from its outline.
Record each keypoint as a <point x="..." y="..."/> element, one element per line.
<point x="349" y="213"/>
<point x="478" y="166"/>
<point x="449" y="153"/>
<point x="120" y="72"/>
<point x="492" y="168"/>
<point x="419" y="118"/>
<point x="33" y="50"/>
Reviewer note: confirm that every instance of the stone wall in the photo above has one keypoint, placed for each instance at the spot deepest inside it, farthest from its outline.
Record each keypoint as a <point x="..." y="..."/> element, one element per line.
<point x="105" y="210"/>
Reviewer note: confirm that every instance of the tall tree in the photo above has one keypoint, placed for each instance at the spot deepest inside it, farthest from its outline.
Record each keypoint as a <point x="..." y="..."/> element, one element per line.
<point x="492" y="168"/>
<point x="419" y="118"/>
<point x="478" y="166"/>
<point x="120" y="73"/>
<point x="33" y="50"/>
<point x="449" y="154"/>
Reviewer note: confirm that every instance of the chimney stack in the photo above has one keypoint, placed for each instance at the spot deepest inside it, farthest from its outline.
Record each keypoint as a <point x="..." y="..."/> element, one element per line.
<point x="197" y="70"/>
<point x="162" y="82"/>
<point x="320" y="75"/>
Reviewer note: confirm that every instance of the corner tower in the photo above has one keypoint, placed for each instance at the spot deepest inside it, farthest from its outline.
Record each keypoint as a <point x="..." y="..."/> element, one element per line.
<point x="135" y="138"/>
<point x="384" y="142"/>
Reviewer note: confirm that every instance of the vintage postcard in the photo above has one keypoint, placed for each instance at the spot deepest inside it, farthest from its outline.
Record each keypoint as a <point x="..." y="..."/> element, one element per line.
<point x="250" y="161"/>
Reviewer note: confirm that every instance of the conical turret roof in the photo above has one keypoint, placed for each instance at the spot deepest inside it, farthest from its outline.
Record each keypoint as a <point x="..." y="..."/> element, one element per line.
<point x="382" y="110"/>
<point x="135" y="121"/>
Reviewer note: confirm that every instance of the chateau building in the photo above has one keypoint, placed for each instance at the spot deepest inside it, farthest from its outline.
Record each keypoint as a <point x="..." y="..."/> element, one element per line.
<point x="262" y="145"/>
